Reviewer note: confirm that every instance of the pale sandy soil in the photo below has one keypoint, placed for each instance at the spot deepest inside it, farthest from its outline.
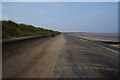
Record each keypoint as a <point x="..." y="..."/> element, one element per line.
<point x="98" y="35"/>
<point x="101" y="39"/>
<point x="116" y="45"/>
<point x="97" y="39"/>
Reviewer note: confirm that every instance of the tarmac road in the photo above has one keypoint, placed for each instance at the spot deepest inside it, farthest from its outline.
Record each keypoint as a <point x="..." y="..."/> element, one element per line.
<point x="64" y="56"/>
<point x="82" y="59"/>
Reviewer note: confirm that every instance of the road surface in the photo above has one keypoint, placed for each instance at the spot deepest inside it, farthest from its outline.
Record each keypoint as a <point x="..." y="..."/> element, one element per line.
<point x="63" y="56"/>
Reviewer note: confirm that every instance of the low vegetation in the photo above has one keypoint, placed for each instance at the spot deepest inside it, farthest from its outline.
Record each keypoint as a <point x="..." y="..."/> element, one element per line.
<point x="11" y="29"/>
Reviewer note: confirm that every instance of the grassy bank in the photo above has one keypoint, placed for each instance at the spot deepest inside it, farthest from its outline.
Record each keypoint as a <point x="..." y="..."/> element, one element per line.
<point x="11" y="29"/>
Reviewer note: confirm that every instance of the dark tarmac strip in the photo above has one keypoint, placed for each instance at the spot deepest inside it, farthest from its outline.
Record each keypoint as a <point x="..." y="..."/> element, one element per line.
<point x="79" y="58"/>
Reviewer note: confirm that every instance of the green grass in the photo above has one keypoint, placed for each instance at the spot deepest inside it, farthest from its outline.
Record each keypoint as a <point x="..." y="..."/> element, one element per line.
<point x="11" y="29"/>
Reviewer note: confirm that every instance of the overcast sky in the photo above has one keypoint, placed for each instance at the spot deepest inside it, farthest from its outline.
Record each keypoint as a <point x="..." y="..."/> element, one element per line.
<point x="101" y="17"/>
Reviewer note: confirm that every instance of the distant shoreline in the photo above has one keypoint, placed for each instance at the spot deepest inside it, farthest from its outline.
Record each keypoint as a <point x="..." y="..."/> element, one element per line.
<point x="110" y="35"/>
